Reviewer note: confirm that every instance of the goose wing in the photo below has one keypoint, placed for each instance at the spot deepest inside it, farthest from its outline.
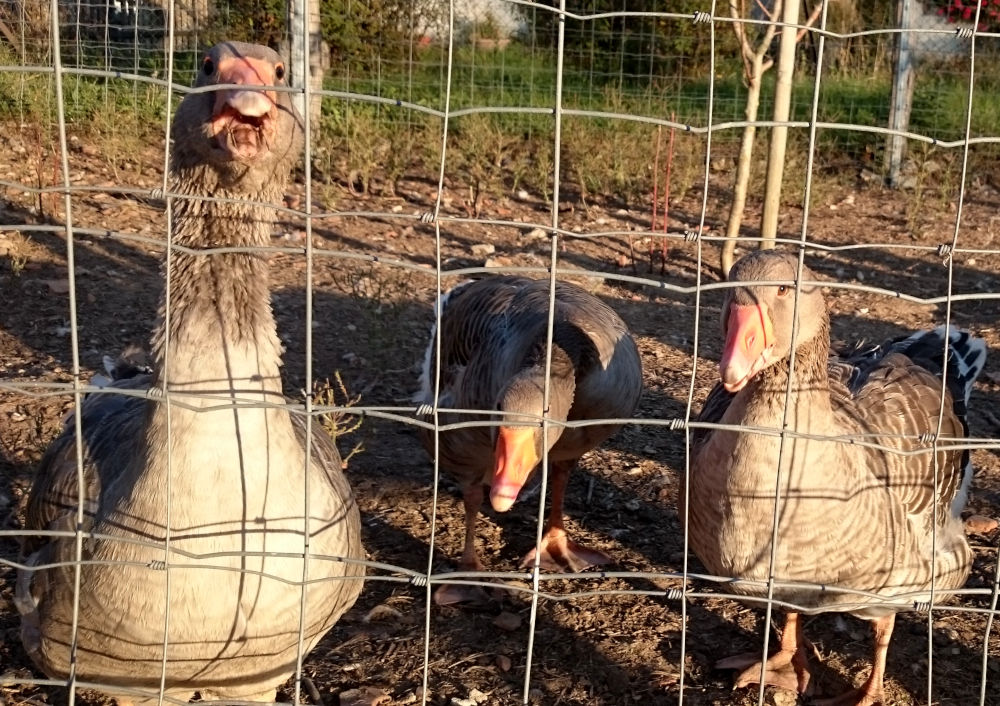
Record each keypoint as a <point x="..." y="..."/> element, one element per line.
<point x="897" y="401"/>
<point x="112" y="430"/>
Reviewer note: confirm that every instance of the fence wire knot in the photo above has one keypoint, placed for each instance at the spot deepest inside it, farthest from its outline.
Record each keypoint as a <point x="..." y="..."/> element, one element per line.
<point x="701" y="17"/>
<point x="927" y="437"/>
<point x="691" y="235"/>
<point x="419" y="581"/>
<point x="157" y="564"/>
<point x="964" y="32"/>
<point x="156" y="193"/>
<point x="944" y="250"/>
<point x="154" y="392"/>
<point x="425" y="410"/>
<point x="921" y="606"/>
<point x="427" y="217"/>
<point x="676" y="424"/>
<point x="674" y="594"/>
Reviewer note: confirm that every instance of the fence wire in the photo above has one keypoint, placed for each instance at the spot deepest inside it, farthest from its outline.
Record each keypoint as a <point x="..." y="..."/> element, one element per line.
<point x="550" y="74"/>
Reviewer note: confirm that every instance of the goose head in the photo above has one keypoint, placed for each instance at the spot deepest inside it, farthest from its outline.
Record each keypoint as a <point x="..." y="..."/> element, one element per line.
<point x="519" y="444"/>
<point x="758" y="317"/>
<point x="245" y="131"/>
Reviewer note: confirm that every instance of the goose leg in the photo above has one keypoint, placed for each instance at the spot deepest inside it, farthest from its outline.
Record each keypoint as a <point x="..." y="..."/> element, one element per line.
<point x="869" y="693"/>
<point x="557" y="551"/>
<point x="447" y="594"/>
<point x="788" y="668"/>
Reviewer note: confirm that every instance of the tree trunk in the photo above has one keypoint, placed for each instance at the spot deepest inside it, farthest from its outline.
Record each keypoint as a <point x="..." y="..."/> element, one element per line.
<point x="307" y="46"/>
<point x="743" y="165"/>
<point x="779" y="133"/>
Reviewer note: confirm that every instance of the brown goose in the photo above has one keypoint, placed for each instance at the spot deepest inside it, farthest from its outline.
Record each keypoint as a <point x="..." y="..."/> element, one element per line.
<point x="233" y="488"/>
<point x="849" y="516"/>
<point x="493" y="349"/>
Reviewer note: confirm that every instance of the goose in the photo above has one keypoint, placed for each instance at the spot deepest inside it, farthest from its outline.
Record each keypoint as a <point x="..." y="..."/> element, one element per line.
<point x="493" y="353"/>
<point x="849" y="516"/>
<point x="221" y="470"/>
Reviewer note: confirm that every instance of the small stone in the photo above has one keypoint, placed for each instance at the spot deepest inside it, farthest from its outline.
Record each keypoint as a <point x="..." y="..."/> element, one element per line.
<point x="536" y="234"/>
<point x="980" y="524"/>
<point x="507" y="621"/>
<point x="483" y="249"/>
<point x="455" y="701"/>
<point x="503" y="662"/>
<point x="478" y="696"/>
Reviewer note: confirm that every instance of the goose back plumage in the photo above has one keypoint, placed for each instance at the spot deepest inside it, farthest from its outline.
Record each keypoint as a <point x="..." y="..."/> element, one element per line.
<point x="493" y="328"/>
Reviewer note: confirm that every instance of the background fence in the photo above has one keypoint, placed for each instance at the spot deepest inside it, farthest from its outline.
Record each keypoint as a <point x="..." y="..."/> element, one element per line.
<point x="453" y="140"/>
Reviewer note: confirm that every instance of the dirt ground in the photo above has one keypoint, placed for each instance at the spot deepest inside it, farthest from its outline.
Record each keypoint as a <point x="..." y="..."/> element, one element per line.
<point x="370" y="324"/>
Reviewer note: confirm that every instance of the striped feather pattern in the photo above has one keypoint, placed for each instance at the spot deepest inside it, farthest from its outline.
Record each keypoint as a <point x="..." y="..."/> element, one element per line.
<point x="492" y="329"/>
<point x="493" y="355"/>
<point x="850" y="515"/>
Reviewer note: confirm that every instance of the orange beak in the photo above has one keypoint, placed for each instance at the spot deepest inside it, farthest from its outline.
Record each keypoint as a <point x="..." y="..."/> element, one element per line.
<point x="243" y="119"/>
<point x="249" y="71"/>
<point x="749" y="337"/>
<point x="514" y="459"/>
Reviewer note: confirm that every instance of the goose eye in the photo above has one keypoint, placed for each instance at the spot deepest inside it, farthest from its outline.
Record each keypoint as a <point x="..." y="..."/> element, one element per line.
<point x="279" y="71"/>
<point x="208" y="67"/>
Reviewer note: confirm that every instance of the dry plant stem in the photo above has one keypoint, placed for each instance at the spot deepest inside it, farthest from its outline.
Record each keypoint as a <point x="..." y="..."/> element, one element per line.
<point x="754" y="67"/>
<point x="656" y="188"/>
<point x="666" y="196"/>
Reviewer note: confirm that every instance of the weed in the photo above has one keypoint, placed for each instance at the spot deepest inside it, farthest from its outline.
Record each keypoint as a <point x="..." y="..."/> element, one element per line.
<point x="17" y="252"/>
<point x="335" y="394"/>
<point x="383" y="295"/>
<point x="482" y="148"/>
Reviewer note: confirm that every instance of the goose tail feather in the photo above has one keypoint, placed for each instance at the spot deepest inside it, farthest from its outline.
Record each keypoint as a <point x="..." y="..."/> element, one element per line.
<point x="966" y="358"/>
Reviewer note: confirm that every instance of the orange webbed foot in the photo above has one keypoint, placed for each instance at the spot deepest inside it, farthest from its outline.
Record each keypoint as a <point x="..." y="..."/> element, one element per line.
<point x="560" y="554"/>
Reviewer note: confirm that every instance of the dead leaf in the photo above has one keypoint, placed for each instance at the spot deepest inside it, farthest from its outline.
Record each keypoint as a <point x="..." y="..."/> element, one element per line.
<point x="507" y="621"/>
<point x="382" y="612"/>
<point x="57" y="286"/>
<point x="980" y="524"/>
<point x="364" y="696"/>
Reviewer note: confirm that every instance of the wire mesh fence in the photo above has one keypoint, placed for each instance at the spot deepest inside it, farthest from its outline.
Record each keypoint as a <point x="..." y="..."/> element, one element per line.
<point x="597" y="144"/>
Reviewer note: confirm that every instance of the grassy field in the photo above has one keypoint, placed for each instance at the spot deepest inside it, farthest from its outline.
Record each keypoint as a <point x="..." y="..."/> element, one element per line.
<point x="371" y="145"/>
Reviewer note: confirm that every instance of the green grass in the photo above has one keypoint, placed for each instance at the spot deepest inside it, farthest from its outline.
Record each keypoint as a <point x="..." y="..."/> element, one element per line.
<point x="492" y="153"/>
